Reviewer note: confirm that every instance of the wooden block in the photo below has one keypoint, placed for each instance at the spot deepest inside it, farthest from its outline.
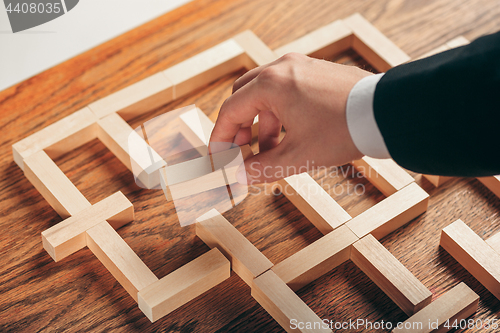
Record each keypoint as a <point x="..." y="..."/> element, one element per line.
<point x="314" y="202"/>
<point x="384" y="174"/>
<point x="437" y="180"/>
<point x="391" y="213"/>
<point x="493" y="183"/>
<point x="390" y="275"/>
<point x="181" y="286"/>
<point x="197" y="128"/>
<point x="324" y="42"/>
<point x="284" y="305"/>
<point x="494" y="242"/>
<point x="316" y="259"/>
<point x="246" y="260"/>
<point x="373" y="46"/>
<point x="131" y="149"/>
<point x="202" y="174"/>
<point x="258" y="53"/>
<point x="119" y="259"/>
<point x="206" y="67"/>
<point x="69" y="236"/>
<point x="53" y="185"/>
<point x="59" y="138"/>
<point x="432" y="52"/>
<point x="457" y="304"/>
<point x="474" y="254"/>
<point x="136" y="99"/>
<point x="458" y="41"/>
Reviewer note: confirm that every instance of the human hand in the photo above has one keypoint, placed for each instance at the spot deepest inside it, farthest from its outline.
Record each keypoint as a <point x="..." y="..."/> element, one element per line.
<point x="304" y="95"/>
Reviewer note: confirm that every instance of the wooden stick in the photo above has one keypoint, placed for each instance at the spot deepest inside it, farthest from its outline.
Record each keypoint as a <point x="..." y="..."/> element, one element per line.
<point x="314" y="202"/>
<point x="246" y="260"/>
<point x="182" y="285"/>
<point x="474" y="254"/>
<point x="53" y="185"/>
<point x="136" y="99"/>
<point x="457" y="304"/>
<point x="493" y="183"/>
<point x="205" y="67"/>
<point x="131" y="149"/>
<point x="391" y="213"/>
<point x="373" y="46"/>
<point x="390" y="275"/>
<point x="119" y="259"/>
<point x="494" y="242"/>
<point x="68" y="236"/>
<point x="258" y="53"/>
<point x="59" y="138"/>
<point x="457" y="42"/>
<point x="203" y="174"/>
<point x="324" y="42"/>
<point x="437" y="180"/>
<point x="316" y="259"/>
<point x="197" y="128"/>
<point x="384" y="174"/>
<point x="284" y="305"/>
<point x="432" y="52"/>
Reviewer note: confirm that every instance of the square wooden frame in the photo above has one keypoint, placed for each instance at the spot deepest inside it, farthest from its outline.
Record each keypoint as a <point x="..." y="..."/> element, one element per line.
<point x="93" y="225"/>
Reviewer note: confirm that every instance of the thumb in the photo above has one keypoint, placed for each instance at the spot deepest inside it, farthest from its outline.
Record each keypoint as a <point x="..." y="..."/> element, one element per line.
<point x="266" y="167"/>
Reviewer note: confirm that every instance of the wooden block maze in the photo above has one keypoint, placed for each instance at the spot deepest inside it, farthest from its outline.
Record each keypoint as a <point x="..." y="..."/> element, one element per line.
<point x="272" y="285"/>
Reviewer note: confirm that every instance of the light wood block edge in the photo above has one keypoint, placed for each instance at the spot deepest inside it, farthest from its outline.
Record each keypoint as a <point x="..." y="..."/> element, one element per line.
<point x="283" y="304"/>
<point x="373" y="46"/>
<point x="384" y="174"/>
<point x="390" y="275"/>
<point x="68" y="236"/>
<point x="323" y="42"/>
<point x="314" y="202"/>
<point x="493" y="183"/>
<point x="137" y="99"/>
<point x="456" y="304"/>
<point x="474" y="254"/>
<point x="246" y="260"/>
<point x="316" y="259"/>
<point x="391" y="213"/>
<point x="258" y="53"/>
<point x="494" y="242"/>
<point x="202" y="174"/>
<point x="116" y="134"/>
<point x="437" y="180"/>
<point x="205" y="67"/>
<point x="119" y="259"/>
<point x="184" y="284"/>
<point x="53" y="185"/>
<point x="58" y="138"/>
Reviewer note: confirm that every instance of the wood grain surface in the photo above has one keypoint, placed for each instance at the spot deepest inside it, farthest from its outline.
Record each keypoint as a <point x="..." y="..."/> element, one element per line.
<point x="79" y="294"/>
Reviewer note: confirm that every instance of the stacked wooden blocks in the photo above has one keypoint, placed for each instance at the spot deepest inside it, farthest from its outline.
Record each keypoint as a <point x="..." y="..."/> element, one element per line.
<point x="271" y="285"/>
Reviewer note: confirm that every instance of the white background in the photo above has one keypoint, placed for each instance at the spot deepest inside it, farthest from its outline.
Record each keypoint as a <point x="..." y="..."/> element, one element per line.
<point x="88" y="24"/>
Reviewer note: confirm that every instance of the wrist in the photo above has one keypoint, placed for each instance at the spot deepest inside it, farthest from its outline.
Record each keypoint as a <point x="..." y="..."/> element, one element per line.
<point x="361" y="122"/>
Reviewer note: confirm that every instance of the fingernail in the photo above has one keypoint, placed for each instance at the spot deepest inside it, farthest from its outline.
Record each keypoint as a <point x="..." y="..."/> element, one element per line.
<point x="241" y="175"/>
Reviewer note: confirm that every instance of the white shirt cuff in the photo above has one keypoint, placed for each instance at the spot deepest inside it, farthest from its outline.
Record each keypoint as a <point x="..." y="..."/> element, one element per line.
<point x="361" y="119"/>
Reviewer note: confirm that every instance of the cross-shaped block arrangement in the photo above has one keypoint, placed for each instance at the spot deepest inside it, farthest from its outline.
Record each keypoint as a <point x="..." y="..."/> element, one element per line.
<point x="481" y="258"/>
<point x="271" y="285"/>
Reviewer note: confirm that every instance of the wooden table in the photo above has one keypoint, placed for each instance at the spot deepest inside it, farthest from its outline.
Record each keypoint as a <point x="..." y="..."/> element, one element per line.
<point x="79" y="294"/>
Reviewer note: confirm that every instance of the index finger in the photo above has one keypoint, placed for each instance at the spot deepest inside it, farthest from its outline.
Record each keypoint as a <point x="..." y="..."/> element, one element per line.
<point x="240" y="108"/>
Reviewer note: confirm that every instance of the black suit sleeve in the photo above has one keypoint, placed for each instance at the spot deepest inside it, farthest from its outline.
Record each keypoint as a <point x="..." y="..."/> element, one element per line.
<point x="441" y="115"/>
